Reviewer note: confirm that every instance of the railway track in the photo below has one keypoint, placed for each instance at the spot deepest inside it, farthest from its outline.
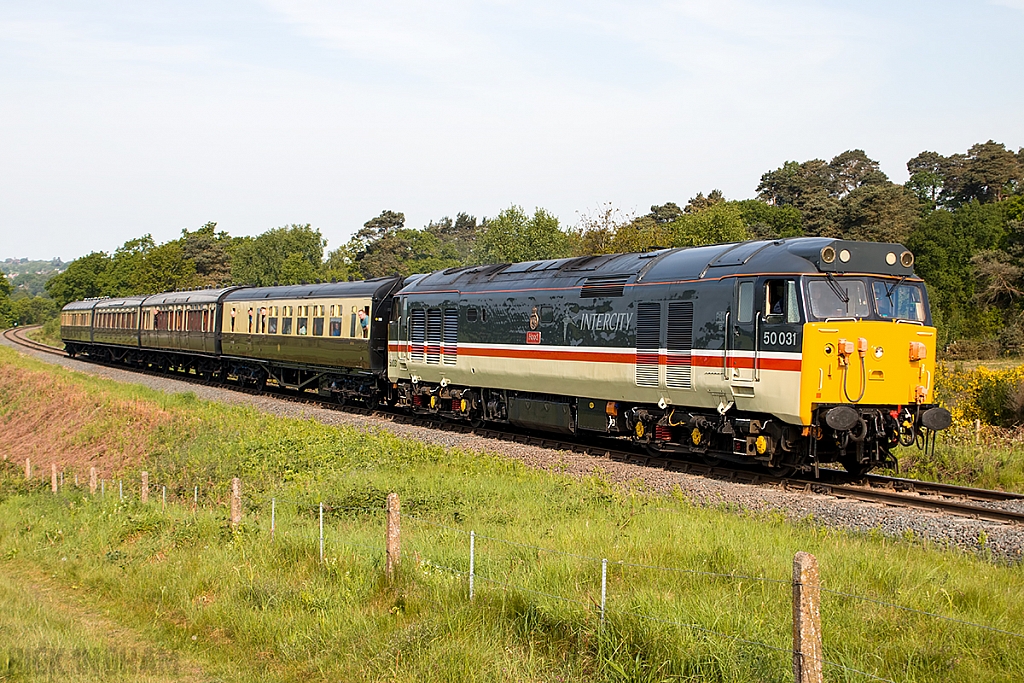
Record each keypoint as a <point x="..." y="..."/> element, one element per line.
<point x="981" y="504"/>
<point x="18" y="336"/>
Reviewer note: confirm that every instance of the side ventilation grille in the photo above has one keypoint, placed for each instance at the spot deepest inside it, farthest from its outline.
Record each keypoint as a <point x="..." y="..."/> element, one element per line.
<point x="680" y="345"/>
<point x="605" y="285"/>
<point x="417" y="334"/>
<point x="648" y="338"/>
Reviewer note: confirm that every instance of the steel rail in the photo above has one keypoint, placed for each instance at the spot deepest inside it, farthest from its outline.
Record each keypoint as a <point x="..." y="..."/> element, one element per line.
<point x="890" y="491"/>
<point x="17" y="335"/>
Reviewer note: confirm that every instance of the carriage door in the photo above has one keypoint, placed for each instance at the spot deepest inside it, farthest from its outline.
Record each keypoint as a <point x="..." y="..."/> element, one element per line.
<point x="398" y="331"/>
<point x="743" y="341"/>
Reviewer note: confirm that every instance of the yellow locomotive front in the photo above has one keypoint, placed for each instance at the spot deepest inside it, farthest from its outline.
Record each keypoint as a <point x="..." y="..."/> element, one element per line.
<point x="868" y="360"/>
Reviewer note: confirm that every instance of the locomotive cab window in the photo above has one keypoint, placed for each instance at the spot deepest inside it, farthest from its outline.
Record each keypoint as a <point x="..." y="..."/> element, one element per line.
<point x="838" y="298"/>
<point x="745" y="302"/>
<point x="780" y="302"/>
<point x="896" y="301"/>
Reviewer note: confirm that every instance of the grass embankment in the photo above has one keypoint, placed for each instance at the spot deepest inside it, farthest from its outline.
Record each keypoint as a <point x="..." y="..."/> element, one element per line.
<point x="243" y="606"/>
<point x="48" y="334"/>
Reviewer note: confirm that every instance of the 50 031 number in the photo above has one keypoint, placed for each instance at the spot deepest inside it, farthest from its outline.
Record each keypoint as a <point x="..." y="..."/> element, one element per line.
<point x="779" y="338"/>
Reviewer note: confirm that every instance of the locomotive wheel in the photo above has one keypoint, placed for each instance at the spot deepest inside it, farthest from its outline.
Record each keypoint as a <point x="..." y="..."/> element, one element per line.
<point x="782" y="471"/>
<point x="710" y="460"/>
<point x="854" y="467"/>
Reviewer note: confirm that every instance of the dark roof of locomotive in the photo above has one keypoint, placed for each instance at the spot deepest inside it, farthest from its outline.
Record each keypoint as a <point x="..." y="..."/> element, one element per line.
<point x="789" y="256"/>
<point x="361" y="288"/>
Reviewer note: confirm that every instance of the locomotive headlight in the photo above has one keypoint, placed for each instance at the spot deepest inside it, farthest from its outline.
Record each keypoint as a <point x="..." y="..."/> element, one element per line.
<point x="844" y="256"/>
<point x="890" y="258"/>
<point x="878" y="352"/>
<point x="906" y="259"/>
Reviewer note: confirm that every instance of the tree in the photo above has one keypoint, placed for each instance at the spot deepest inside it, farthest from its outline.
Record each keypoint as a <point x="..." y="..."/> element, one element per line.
<point x="700" y="202"/>
<point x="209" y="251"/>
<point x="456" y="237"/>
<point x="32" y="310"/>
<point x="766" y="221"/>
<point x="259" y="260"/>
<point x="642" y="234"/>
<point x="665" y="213"/>
<point x="852" y="169"/>
<point x="927" y="176"/>
<point x="126" y="265"/>
<point x="882" y="212"/>
<point x="717" y="224"/>
<point x="999" y="280"/>
<point x="340" y="265"/>
<point x="990" y="173"/>
<point x="515" y="236"/>
<point x="6" y="315"/>
<point x="596" y="230"/>
<point x="163" y="269"/>
<point x="85" y="278"/>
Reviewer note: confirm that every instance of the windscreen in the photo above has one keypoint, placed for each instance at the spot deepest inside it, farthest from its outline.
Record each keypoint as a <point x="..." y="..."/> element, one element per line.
<point x="838" y="298"/>
<point x="902" y="301"/>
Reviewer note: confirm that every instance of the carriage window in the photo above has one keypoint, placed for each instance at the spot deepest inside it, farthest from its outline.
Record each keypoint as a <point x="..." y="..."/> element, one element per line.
<point x="335" y="326"/>
<point x="300" y="326"/>
<point x="286" y="325"/>
<point x="318" y="326"/>
<point x="272" y="326"/>
<point x="745" y="302"/>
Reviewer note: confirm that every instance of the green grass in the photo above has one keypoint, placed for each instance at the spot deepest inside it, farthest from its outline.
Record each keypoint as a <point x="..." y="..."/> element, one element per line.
<point x="998" y="466"/>
<point x="48" y="334"/>
<point x="248" y="607"/>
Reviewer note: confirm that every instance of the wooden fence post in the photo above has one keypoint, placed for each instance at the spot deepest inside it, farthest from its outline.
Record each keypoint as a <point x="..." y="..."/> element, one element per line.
<point x="392" y="541"/>
<point x="144" y="494"/>
<point x="92" y="480"/>
<point x="806" y="619"/>
<point x="28" y="469"/>
<point x="236" y="502"/>
<point x="53" y="477"/>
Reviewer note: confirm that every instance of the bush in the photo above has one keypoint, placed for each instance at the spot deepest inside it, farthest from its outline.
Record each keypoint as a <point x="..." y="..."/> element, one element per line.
<point x="995" y="397"/>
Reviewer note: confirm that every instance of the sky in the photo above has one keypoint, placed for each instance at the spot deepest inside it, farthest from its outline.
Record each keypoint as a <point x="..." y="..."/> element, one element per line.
<point x="119" y="119"/>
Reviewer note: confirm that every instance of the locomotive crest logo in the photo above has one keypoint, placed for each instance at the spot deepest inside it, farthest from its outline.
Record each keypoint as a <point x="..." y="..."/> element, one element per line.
<point x="534" y="319"/>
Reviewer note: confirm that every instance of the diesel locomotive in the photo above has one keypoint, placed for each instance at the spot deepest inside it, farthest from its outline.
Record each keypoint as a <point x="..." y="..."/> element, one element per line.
<point x="786" y="353"/>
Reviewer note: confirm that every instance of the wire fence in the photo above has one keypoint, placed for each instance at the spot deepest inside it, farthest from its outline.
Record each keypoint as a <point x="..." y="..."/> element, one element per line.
<point x="156" y="490"/>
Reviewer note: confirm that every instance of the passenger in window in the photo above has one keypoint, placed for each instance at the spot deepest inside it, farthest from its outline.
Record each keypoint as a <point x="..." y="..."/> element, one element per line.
<point x="250" y="320"/>
<point x="364" y="321"/>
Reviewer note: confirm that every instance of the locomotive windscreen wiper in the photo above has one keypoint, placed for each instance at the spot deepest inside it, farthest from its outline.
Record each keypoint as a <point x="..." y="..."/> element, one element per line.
<point x="889" y="290"/>
<point x="843" y="295"/>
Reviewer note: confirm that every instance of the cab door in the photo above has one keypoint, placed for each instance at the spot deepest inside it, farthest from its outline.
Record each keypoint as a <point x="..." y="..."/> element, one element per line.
<point x="742" y="357"/>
